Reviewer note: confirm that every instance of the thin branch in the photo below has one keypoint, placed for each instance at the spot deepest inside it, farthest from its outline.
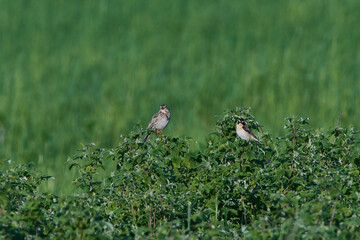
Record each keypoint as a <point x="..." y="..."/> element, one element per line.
<point x="222" y="131"/>
<point x="337" y="126"/>
<point x="162" y="208"/>
<point x="338" y="121"/>
<point x="262" y="133"/>
<point x="348" y="151"/>
<point x="189" y="215"/>
<point x="154" y="218"/>
<point x="146" y="172"/>
<point x="149" y="223"/>
<point x="243" y="204"/>
<point x="294" y="134"/>
<point x="90" y="183"/>
<point x="333" y="213"/>
<point x="134" y="185"/>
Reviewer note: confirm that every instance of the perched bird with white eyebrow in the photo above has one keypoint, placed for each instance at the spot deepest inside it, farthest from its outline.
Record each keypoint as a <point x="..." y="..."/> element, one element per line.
<point x="159" y="121"/>
<point x="244" y="131"/>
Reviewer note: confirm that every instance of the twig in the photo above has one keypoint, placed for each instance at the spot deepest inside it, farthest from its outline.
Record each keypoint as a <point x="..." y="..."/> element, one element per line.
<point x="242" y="201"/>
<point x="134" y="185"/>
<point x="334" y="210"/>
<point x="90" y="184"/>
<point x="262" y="133"/>
<point x="222" y="131"/>
<point x="338" y="122"/>
<point x="146" y="172"/>
<point x="189" y="216"/>
<point x="154" y="218"/>
<point x="348" y="151"/>
<point x="162" y="208"/>
<point x="216" y="206"/>
<point x="149" y="223"/>
<point x="294" y="134"/>
<point x="337" y="126"/>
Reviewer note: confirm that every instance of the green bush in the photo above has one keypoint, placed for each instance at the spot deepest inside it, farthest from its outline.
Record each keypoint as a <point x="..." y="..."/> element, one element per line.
<point x="304" y="185"/>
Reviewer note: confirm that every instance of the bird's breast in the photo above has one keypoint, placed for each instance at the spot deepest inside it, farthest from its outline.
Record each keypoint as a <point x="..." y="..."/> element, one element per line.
<point x="242" y="134"/>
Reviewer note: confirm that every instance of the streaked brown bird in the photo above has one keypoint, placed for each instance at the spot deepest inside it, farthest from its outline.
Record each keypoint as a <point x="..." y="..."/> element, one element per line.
<point x="159" y="121"/>
<point x="244" y="132"/>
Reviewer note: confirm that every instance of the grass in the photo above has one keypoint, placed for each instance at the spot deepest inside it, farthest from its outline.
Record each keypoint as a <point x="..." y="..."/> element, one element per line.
<point x="76" y="72"/>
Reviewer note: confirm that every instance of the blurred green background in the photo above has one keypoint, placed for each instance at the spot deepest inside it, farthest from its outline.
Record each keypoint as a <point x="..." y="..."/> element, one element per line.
<point x="81" y="71"/>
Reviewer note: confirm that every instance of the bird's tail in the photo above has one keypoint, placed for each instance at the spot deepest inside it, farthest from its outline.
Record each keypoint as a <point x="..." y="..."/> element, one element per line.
<point x="146" y="138"/>
<point x="257" y="140"/>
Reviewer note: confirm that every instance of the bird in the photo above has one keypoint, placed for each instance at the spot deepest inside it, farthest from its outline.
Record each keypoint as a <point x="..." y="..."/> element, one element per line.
<point x="244" y="132"/>
<point x="159" y="121"/>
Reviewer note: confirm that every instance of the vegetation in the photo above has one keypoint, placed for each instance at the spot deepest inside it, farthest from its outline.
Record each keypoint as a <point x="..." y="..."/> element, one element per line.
<point x="303" y="185"/>
<point x="76" y="72"/>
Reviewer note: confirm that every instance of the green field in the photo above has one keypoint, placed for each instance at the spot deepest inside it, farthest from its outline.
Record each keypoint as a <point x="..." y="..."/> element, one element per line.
<point x="76" y="72"/>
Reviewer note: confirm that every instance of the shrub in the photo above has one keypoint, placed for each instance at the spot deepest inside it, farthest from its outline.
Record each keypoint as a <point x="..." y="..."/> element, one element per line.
<point x="300" y="185"/>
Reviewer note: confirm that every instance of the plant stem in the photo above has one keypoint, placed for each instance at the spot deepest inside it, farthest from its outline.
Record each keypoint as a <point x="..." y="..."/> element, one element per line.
<point x="189" y="215"/>
<point x="333" y="213"/>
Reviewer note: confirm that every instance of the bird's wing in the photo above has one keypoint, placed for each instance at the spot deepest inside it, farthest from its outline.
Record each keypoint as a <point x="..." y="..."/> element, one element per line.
<point x="154" y="120"/>
<point x="247" y="129"/>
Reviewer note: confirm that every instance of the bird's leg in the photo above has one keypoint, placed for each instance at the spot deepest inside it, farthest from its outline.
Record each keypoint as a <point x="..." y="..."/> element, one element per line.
<point x="158" y="132"/>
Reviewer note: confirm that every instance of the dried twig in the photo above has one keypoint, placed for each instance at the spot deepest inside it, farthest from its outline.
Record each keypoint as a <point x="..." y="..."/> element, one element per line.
<point x="262" y="133"/>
